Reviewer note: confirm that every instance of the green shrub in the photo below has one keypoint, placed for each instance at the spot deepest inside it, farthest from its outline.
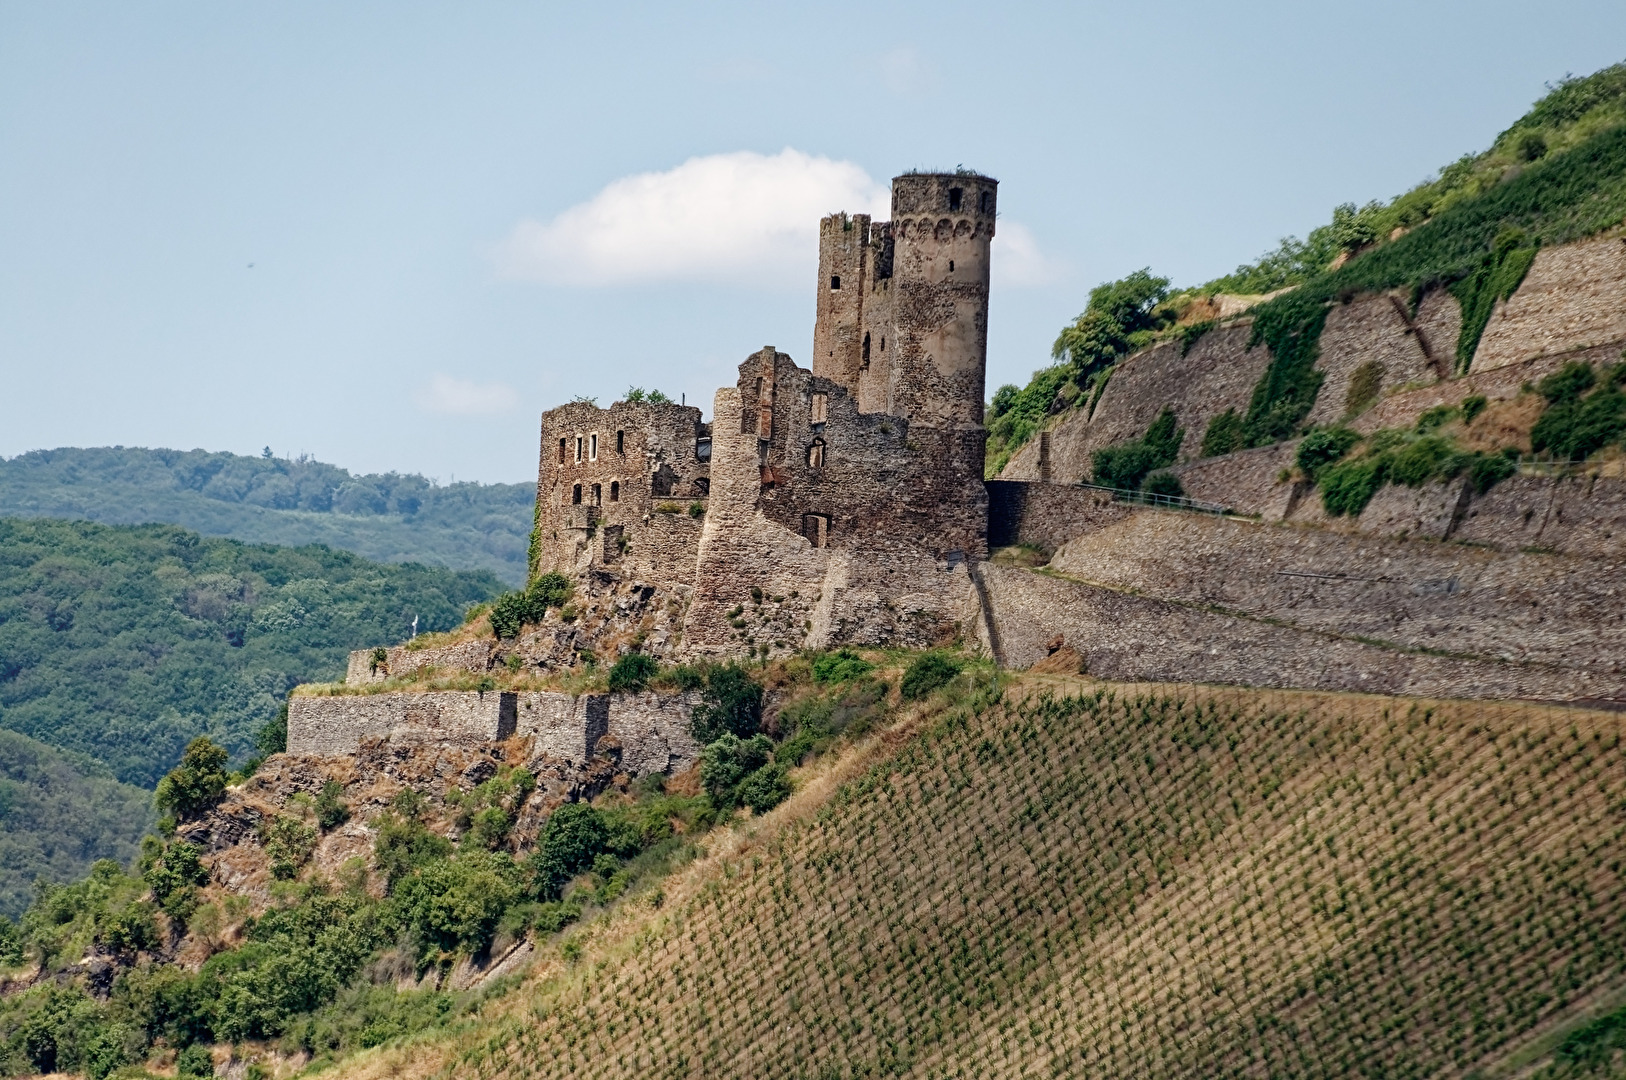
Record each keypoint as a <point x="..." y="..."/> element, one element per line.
<point x="512" y="611"/>
<point x="727" y="762"/>
<point x="1472" y="406"/>
<point x="1365" y="383"/>
<point x="331" y="811"/>
<point x="732" y="705"/>
<point x="765" y="788"/>
<point x="289" y="843"/>
<point x="1164" y="483"/>
<point x="929" y="672"/>
<point x="1568" y="383"/>
<point x="1348" y="486"/>
<point x="840" y="666"/>
<point x="195" y="1060"/>
<point x="1488" y="470"/>
<point x="574" y="834"/>
<point x="403" y="842"/>
<point x="197" y="783"/>
<point x="1126" y="465"/>
<point x="1321" y="448"/>
<point x="455" y="904"/>
<point x="1421" y="461"/>
<point x="632" y="673"/>
<point x="1224" y="434"/>
<point x="174" y="879"/>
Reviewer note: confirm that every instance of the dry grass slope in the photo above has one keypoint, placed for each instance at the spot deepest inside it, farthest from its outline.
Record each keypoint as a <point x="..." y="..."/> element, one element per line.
<point x="1074" y="879"/>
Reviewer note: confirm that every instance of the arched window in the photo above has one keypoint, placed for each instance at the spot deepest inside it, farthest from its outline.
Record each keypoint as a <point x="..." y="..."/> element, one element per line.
<point x="815" y="454"/>
<point x="576" y="495"/>
<point x="615" y="491"/>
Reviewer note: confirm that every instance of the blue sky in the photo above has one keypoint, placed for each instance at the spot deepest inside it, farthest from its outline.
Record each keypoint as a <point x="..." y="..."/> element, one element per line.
<point x="460" y="214"/>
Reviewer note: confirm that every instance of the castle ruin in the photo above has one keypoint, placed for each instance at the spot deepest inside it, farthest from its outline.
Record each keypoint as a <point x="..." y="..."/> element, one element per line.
<point x="847" y="503"/>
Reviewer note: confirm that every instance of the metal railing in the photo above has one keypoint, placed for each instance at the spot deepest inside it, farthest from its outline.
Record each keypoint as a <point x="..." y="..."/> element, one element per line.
<point x="1165" y="502"/>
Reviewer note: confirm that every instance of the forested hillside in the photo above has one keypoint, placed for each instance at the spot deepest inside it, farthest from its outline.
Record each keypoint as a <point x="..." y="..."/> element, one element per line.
<point x="386" y="517"/>
<point x="120" y="644"/>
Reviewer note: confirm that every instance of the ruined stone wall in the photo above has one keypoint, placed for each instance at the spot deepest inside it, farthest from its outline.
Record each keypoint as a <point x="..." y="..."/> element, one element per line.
<point x="336" y="725"/>
<point x="605" y="473"/>
<point x="402" y="660"/>
<point x="838" y="325"/>
<point x="854" y="528"/>
<point x="1574" y="297"/>
<point x="646" y="733"/>
<point x="1124" y="637"/>
<point x="1418" y="594"/>
<point x="1046" y="515"/>
<point x="875" y="360"/>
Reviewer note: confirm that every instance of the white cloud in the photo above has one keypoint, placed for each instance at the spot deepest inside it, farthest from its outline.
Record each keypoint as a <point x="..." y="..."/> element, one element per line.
<point x="1015" y="258"/>
<point x="460" y="397"/>
<point x="743" y="217"/>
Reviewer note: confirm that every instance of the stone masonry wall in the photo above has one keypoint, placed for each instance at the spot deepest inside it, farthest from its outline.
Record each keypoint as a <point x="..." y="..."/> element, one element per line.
<point x="1047" y="515"/>
<point x="1574" y="297"/>
<point x="1136" y="638"/>
<point x="336" y="725"/>
<point x="1418" y="594"/>
<point x="1371" y="329"/>
<point x="402" y="660"/>
<point x="649" y="732"/>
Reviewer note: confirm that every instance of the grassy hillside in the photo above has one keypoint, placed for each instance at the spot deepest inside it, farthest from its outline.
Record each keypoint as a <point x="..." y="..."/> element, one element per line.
<point x="1076" y="879"/>
<point x="385" y="517"/>
<point x="122" y="643"/>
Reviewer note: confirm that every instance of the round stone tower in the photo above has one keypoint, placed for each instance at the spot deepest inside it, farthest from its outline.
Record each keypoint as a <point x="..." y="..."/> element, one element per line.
<point x="942" y="224"/>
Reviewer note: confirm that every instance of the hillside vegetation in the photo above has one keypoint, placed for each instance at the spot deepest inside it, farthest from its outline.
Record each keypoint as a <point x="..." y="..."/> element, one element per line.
<point x="1557" y="174"/>
<point x="386" y="517"/>
<point x="1075" y="879"/>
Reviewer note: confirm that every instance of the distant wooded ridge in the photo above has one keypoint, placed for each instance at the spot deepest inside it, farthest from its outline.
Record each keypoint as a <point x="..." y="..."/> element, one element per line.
<point x="387" y="517"/>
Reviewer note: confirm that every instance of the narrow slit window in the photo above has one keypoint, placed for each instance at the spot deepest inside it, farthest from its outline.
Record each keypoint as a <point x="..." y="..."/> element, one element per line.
<point x="816" y="527"/>
<point x="592" y="447"/>
<point x="578" y="449"/>
<point x="561" y="451"/>
<point x="815" y="454"/>
<point x="598" y="495"/>
<point x="986" y="202"/>
<point x="864" y="361"/>
<point x="621" y="442"/>
<point x="951" y="266"/>
<point x="615" y="491"/>
<point x="821" y="408"/>
<point x="576" y="495"/>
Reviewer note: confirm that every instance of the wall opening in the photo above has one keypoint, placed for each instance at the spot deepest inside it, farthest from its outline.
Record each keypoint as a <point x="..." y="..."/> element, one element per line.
<point x="864" y="361"/>
<point x="615" y="491"/>
<point x="615" y="542"/>
<point x="815" y="454"/>
<point x="592" y="447"/>
<point x="598" y="495"/>
<point x="835" y="282"/>
<point x="985" y="202"/>
<point x="578" y="449"/>
<point x="561" y="451"/>
<point x="954" y="197"/>
<point x="621" y="442"/>
<point x="951" y="266"/>
<point x="576" y="495"/>
<point x="702" y="449"/>
<point x="816" y="527"/>
<point x="820" y="410"/>
<point x="702" y="486"/>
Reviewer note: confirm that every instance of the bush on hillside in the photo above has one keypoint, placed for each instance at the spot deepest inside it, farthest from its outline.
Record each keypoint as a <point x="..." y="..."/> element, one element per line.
<point x="197" y="783"/>
<point x="1126" y="465"/>
<point x="728" y="762"/>
<point x="513" y="611"/>
<point x="1323" y="447"/>
<point x="632" y="673"/>
<point x="1165" y="484"/>
<point x="732" y="705"/>
<point x="574" y="834"/>
<point x="840" y="666"/>
<point x="929" y="672"/>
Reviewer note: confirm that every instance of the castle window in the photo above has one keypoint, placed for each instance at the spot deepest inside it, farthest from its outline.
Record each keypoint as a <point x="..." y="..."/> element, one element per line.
<point x="592" y="447"/>
<point x="985" y="202"/>
<point x="821" y="406"/>
<point x="702" y="449"/>
<point x="578" y="449"/>
<point x="561" y="451"/>
<point x="835" y="282"/>
<point x="816" y="527"/>
<point x="951" y="265"/>
<point x="598" y="495"/>
<point x="815" y="454"/>
<point x="576" y="495"/>
<point x="954" y="198"/>
<point x="615" y="491"/>
<point x="702" y="486"/>
<point x="865" y="358"/>
<point x="621" y="442"/>
<point x="883" y="344"/>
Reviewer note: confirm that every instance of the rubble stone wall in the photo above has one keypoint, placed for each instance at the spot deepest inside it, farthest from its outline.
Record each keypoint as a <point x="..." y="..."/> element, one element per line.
<point x="1574" y="297"/>
<point x="1370" y="330"/>
<point x="336" y="725"/>
<point x="401" y="660"/>
<point x="1047" y="515"/>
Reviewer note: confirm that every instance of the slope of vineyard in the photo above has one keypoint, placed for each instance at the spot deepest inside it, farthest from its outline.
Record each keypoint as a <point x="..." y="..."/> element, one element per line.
<point x="1071" y="878"/>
